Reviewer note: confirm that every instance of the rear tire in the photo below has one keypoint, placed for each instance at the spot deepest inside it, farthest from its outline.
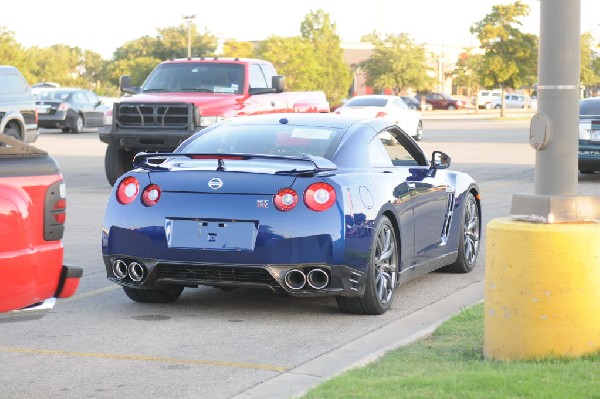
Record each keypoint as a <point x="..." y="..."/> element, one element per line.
<point x="117" y="162"/>
<point x="451" y="107"/>
<point x="468" y="242"/>
<point x="381" y="275"/>
<point x="153" y="295"/>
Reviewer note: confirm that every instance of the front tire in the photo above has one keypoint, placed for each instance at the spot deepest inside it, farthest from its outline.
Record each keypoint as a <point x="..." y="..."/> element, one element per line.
<point x="13" y="131"/>
<point x="117" y="161"/>
<point x="451" y="107"/>
<point x="468" y="242"/>
<point x="381" y="275"/>
<point x="153" y="295"/>
<point x="79" y="123"/>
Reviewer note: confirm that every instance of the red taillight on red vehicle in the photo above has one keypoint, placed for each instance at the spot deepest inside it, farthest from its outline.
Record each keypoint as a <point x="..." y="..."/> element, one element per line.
<point x="128" y="190"/>
<point x="285" y="199"/>
<point x="151" y="195"/>
<point x="55" y="211"/>
<point x="319" y="196"/>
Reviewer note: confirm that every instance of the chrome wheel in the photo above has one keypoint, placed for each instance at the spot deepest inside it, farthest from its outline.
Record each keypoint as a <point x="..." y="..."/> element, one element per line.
<point x="381" y="276"/>
<point x="468" y="242"/>
<point x="471" y="231"/>
<point x="384" y="261"/>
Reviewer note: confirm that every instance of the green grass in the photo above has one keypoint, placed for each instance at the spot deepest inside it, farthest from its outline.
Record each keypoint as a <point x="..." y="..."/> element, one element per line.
<point x="451" y="364"/>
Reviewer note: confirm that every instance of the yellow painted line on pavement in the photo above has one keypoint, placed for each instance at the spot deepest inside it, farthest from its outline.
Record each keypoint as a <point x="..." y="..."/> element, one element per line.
<point x="91" y="293"/>
<point x="114" y="356"/>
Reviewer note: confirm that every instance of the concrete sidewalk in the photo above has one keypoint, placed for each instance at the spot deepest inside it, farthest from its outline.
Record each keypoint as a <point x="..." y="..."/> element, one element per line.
<point x="470" y="113"/>
<point x="368" y="348"/>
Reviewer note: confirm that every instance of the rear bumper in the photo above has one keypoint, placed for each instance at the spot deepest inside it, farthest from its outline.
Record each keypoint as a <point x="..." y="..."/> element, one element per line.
<point x="67" y="285"/>
<point x="342" y="280"/>
<point x="589" y="156"/>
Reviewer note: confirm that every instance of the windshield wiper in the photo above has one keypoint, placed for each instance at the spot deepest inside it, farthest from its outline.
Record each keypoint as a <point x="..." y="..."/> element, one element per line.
<point x="197" y="89"/>
<point x="157" y="89"/>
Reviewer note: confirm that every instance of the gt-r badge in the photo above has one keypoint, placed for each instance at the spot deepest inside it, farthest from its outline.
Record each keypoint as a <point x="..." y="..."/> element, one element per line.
<point x="215" y="183"/>
<point x="262" y="204"/>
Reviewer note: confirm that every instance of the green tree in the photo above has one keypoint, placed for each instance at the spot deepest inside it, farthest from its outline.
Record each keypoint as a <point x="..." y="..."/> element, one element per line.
<point x="11" y="53"/>
<point x="293" y="58"/>
<point x="467" y="70"/>
<point x="138" y="68"/>
<point x="510" y="56"/>
<point x="589" y="61"/>
<point x="233" y="48"/>
<point x="397" y="63"/>
<point x="333" y="76"/>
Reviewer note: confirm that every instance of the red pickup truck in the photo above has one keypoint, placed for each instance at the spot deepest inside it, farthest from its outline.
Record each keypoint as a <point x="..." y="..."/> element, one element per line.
<point x="182" y="96"/>
<point x="32" y="218"/>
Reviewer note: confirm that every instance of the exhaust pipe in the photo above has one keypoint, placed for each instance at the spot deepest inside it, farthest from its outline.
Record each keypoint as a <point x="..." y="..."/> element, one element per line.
<point x="119" y="268"/>
<point x="318" y="279"/>
<point x="136" y="272"/>
<point x="295" y="279"/>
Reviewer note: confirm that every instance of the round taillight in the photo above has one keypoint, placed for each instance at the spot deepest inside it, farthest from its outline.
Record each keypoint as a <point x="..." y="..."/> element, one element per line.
<point x="319" y="196"/>
<point x="128" y="190"/>
<point x="151" y="195"/>
<point x="285" y="199"/>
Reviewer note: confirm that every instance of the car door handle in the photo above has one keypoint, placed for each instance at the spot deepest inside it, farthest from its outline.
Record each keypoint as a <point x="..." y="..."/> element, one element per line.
<point x="410" y="184"/>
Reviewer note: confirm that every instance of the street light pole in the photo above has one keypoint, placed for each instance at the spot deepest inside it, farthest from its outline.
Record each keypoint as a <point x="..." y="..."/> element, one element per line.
<point x="189" y="19"/>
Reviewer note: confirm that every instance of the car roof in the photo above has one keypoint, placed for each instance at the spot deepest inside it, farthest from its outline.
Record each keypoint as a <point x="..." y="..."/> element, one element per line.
<point x="333" y="121"/>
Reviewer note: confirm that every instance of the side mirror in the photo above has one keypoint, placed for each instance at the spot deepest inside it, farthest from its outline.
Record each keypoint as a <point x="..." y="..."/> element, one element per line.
<point x="125" y="85"/>
<point x="440" y="160"/>
<point x="277" y="82"/>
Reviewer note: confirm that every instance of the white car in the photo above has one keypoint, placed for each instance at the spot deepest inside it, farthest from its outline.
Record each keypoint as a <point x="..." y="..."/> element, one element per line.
<point x="486" y="97"/>
<point x="513" y="101"/>
<point x="393" y="108"/>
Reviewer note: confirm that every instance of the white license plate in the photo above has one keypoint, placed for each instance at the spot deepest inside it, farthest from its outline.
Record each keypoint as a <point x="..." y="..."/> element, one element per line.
<point x="205" y="234"/>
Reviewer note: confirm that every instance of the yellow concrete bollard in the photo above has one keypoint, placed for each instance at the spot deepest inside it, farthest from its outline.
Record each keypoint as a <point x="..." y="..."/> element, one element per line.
<point x="542" y="290"/>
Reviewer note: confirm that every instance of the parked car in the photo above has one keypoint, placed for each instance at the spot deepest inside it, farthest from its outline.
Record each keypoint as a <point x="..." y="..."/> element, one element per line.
<point x="32" y="211"/>
<point x="70" y="109"/>
<point x="486" y="97"/>
<point x="441" y="101"/>
<point x="18" y="118"/>
<point x="413" y="103"/>
<point x="391" y="107"/>
<point x="589" y="135"/>
<point x="513" y="101"/>
<point x="303" y="204"/>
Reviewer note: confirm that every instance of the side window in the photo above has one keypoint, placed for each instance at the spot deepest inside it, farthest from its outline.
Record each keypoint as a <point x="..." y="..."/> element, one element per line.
<point x="91" y="98"/>
<point x="79" y="98"/>
<point x="269" y="72"/>
<point x="400" y="104"/>
<point x="377" y="154"/>
<point x="396" y="152"/>
<point x="257" y="78"/>
<point x="11" y="84"/>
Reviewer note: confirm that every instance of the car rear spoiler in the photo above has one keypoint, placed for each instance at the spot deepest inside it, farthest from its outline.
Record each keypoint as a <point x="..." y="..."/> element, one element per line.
<point x="158" y="161"/>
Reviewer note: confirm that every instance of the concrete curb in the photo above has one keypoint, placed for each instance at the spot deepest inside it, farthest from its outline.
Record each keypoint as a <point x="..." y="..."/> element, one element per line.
<point x="298" y="381"/>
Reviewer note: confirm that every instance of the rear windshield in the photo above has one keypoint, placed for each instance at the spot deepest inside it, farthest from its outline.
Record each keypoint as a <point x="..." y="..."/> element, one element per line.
<point x="367" y="102"/>
<point x="279" y="140"/>
<point x="591" y="108"/>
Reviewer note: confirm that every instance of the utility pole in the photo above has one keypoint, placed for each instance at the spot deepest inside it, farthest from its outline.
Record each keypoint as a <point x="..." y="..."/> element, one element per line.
<point x="189" y="19"/>
<point x="542" y="280"/>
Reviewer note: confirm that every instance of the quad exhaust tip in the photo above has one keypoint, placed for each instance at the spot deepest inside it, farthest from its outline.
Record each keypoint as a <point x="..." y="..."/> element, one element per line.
<point x="119" y="269"/>
<point x="317" y="279"/>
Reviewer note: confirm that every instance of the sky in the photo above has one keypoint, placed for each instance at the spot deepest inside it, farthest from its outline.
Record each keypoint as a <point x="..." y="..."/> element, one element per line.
<point x="103" y="26"/>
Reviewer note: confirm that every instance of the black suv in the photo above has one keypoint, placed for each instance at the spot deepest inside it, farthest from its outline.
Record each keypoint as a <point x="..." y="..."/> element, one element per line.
<point x="18" y="115"/>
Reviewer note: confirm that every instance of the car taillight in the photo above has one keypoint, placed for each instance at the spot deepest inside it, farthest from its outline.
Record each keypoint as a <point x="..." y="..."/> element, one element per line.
<point x="285" y="199"/>
<point x="151" y="195"/>
<point x="128" y="190"/>
<point x="55" y="211"/>
<point x="381" y="114"/>
<point x="64" y="107"/>
<point x="319" y="196"/>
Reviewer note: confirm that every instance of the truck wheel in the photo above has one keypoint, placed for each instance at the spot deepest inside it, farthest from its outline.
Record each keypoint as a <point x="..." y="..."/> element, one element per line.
<point x="116" y="162"/>
<point x="13" y="131"/>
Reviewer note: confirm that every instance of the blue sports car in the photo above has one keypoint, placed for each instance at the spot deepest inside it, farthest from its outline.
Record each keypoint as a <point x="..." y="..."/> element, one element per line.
<point x="305" y="204"/>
